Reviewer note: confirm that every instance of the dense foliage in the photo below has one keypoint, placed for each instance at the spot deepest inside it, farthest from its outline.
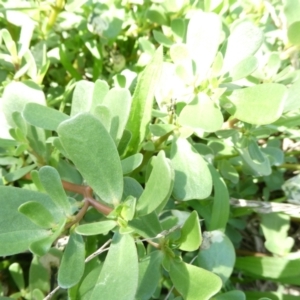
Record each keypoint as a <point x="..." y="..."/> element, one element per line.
<point x="149" y="149"/>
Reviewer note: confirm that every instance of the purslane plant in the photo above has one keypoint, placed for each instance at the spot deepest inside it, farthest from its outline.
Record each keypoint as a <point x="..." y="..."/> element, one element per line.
<point x="150" y="181"/>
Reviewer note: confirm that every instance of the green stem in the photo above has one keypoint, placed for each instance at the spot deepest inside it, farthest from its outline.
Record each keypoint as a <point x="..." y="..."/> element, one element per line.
<point x="290" y="166"/>
<point x="56" y="9"/>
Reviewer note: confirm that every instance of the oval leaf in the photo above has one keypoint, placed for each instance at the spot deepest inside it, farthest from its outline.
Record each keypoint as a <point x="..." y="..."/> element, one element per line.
<point x="261" y="104"/>
<point x="96" y="228"/>
<point x="43" y="116"/>
<point x="203" y="38"/>
<point x="194" y="283"/>
<point x="37" y="213"/>
<point x="72" y="263"/>
<point x="94" y="153"/>
<point x="119" y="275"/>
<point x="51" y="182"/>
<point x="201" y="113"/>
<point x="158" y="186"/>
<point x="190" y="239"/>
<point x="244" y="41"/>
<point x="192" y="176"/>
<point x="132" y="162"/>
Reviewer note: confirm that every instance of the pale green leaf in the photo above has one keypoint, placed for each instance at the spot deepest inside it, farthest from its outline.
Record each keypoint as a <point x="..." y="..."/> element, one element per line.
<point x="51" y="182"/>
<point x="219" y="257"/>
<point x="158" y="187"/>
<point x="119" y="275"/>
<point x="194" y="283"/>
<point x="16" y="273"/>
<point x="275" y="228"/>
<point x="131" y="163"/>
<point x="42" y="116"/>
<point x="95" y="228"/>
<point x="82" y="97"/>
<point x="72" y="264"/>
<point x="259" y="105"/>
<point x="17" y="94"/>
<point x="17" y="232"/>
<point x="94" y="153"/>
<point x="118" y="101"/>
<point x="244" y="40"/>
<point x="190" y="238"/>
<point x="101" y="88"/>
<point x="192" y="176"/>
<point x="202" y="114"/>
<point x="142" y="101"/>
<point x="37" y="213"/>
<point x="203" y="38"/>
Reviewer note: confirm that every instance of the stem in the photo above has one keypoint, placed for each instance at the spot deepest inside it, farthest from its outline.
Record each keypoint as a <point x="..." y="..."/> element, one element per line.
<point x="86" y="191"/>
<point x="56" y="9"/>
<point x="99" y="206"/>
<point x="290" y="166"/>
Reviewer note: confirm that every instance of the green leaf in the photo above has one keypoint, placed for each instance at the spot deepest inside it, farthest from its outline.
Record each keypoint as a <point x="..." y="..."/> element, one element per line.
<point x="17" y="94"/>
<point x="104" y="115"/>
<point x="202" y="114"/>
<point x="161" y="129"/>
<point x="244" y="40"/>
<point x="147" y="226"/>
<point x="257" y="169"/>
<point x="228" y="171"/>
<point x="158" y="187"/>
<point x="259" y="105"/>
<point x="192" y="176"/>
<point x="218" y="257"/>
<point x="232" y="295"/>
<point x="149" y="275"/>
<point x="19" y="173"/>
<point x="119" y="275"/>
<point x="221" y="207"/>
<point x="16" y="273"/>
<point x="162" y="39"/>
<point x="51" y="182"/>
<point x="101" y="88"/>
<point x="43" y="245"/>
<point x="131" y="163"/>
<point x="37" y="213"/>
<point x="94" y="153"/>
<point x="275" y="228"/>
<point x="277" y="268"/>
<point x="194" y="283"/>
<point x="128" y="208"/>
<point x="178" y="27"/>
<point x="118" y="101"/>
<point x="203" y="38"/>
<point x="43" y="117"/>
<point x="142" y="101"/>
<point x="82" y="97"/>
<point x="293" y="94"/>
<point x="95" y="228"/>
<point x="190" y="238"/>
<point x="72" y="264"/>
<point x="243" y="69"/>
<point x="17" y="232"/>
